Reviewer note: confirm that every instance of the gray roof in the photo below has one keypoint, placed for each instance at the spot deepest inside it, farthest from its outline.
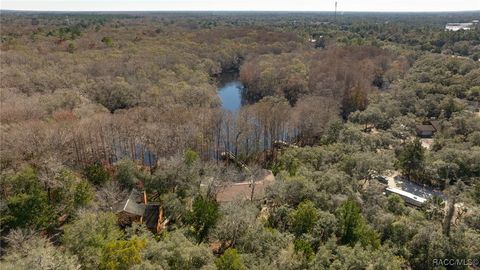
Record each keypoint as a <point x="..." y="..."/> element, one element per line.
<point x="435" y="124"/>
<point x="425" y="128"/>
<point x="134" y="208"/>
<point x="131" y="206"/>
<point x="407" y="194"/>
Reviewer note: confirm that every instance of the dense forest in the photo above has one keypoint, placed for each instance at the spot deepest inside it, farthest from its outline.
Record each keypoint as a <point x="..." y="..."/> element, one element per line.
<point x="97" y="107"/>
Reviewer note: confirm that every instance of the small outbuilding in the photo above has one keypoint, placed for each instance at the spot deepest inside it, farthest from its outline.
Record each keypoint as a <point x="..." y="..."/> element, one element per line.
<point x="132" y="209"/>
<point x="137" y="209"/>
<point x="427" y="129"/>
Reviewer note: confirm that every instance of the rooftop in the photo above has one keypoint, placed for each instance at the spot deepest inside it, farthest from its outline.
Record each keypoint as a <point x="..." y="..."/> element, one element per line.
<point x="132" y="206"/>
<point x="430" y="128"/>
<point x="407" y="194"/>
<point x="459" y="26"/>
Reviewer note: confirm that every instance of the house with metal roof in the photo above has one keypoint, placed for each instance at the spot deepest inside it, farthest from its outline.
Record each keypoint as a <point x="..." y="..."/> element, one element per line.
<point x="408" y="197"/>
<point x="137" y="209"/>
<point x="428" y="128"/>
<point x="132" y="209"/>
<point x="425" y="131"/>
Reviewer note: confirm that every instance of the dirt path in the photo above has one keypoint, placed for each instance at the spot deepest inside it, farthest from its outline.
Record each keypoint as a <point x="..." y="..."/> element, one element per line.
<point x="391" y="179"/>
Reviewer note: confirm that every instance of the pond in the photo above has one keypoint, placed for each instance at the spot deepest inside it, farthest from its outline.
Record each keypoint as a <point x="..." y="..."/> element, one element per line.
<point x="230" y="91"/>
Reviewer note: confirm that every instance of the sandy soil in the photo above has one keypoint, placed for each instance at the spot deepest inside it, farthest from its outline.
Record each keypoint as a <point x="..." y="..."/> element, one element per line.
<point x="427" y="143"/>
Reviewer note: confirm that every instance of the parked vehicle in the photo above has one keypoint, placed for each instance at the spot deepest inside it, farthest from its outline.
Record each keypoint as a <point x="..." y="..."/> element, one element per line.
<point x="382" y="179"/>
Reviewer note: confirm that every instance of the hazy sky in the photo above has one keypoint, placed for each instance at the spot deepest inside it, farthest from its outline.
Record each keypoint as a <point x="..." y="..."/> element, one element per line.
<point x="280" y="5"/>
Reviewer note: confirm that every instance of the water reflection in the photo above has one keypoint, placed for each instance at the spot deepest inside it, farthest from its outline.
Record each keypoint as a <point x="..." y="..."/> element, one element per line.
<point x="230" y="91"/>
<point x="231" y="95"/>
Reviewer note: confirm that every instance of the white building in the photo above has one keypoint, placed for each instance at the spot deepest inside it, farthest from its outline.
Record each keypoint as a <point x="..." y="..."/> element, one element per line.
<point x="459" y="26"/>
<point x="407" y="196"/>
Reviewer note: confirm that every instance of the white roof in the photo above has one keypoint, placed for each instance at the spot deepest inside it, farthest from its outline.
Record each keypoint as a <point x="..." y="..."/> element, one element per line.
<point x="407" y="194"/>
<point x="459" y="26"/>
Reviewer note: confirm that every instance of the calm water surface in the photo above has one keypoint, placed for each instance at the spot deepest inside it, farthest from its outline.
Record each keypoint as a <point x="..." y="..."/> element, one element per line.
<point x="230" y="91"/>
<point x="231" y="95"/>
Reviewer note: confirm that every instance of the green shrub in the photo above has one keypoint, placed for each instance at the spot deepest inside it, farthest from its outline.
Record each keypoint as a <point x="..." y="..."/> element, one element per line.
<point x="96" y="174"/>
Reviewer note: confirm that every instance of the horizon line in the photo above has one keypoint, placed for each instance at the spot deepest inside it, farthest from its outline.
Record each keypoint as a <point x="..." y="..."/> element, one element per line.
<point x="253" y="10"/>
